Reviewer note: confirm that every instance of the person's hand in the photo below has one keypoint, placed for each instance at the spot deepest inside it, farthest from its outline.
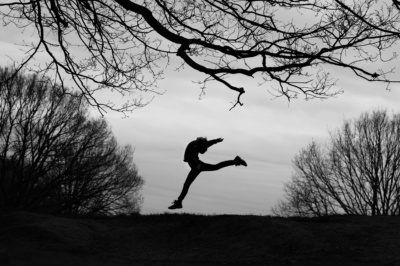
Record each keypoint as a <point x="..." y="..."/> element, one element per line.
<point x="220" y="139"/>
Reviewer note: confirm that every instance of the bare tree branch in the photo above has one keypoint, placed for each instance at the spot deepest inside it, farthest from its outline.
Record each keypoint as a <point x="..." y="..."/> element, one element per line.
<point x="124" y="45"/>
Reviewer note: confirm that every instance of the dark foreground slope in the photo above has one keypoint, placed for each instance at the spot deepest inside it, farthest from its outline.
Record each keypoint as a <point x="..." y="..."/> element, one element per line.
<point x="36" y="239"/>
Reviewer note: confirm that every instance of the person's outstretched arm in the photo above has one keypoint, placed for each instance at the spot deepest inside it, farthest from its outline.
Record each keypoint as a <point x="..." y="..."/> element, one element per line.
<point x="214" y="141"/>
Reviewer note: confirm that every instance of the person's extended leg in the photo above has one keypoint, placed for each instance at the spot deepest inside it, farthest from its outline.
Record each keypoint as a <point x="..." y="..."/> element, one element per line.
<point x="189" y="180"/>
<point x="214" y="167"/>
<point x="177" y="204"/>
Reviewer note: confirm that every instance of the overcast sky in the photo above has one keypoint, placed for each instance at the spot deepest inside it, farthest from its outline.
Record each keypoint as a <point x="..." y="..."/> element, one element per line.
<point x="266" y="132"/>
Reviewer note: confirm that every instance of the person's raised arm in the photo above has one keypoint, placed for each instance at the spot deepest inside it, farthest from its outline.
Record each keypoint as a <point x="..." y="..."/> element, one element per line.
<point x="214" y="141"/>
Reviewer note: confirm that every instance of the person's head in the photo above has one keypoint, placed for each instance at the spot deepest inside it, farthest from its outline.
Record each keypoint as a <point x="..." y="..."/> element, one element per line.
<point x="202" y="144"/>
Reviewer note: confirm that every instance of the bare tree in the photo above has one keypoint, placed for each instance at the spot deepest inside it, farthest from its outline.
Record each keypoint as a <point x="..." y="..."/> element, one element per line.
<point x="292" y="45"/>
<point x="55" y="157"/>
<point x="357" y="173"/>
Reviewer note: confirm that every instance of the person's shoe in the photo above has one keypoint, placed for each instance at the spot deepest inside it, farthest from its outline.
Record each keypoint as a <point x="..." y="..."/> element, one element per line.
<point x="239" y="161"/>
<point x="176" y="205"/>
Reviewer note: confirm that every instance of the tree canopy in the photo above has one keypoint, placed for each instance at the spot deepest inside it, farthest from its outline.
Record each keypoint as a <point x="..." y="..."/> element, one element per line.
<point x="55" y="157"/>
<point x="289" y="45"/>
<point x="356" y="172"/>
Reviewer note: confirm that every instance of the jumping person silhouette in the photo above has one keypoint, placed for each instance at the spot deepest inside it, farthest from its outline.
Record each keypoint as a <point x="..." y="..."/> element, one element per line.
<point x="200" y="145"/>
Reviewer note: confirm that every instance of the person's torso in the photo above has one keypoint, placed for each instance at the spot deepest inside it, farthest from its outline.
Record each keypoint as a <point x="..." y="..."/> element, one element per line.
<point x="191" y="152"/>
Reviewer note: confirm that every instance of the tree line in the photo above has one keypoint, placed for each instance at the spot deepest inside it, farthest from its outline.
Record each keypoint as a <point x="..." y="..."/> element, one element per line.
<point x="356" y="172"/>
<point x="55" y="157"/>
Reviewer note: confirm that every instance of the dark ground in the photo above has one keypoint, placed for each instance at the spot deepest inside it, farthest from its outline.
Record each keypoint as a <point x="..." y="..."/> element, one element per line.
<point x="183" y="239"/>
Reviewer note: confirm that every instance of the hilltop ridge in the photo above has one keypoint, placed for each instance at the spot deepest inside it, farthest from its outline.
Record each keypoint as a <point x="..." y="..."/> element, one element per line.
<point x="184" y="239"/>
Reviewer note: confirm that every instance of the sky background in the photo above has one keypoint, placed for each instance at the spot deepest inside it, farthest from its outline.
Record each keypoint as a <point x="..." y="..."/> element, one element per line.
<point x="266" y="132"/>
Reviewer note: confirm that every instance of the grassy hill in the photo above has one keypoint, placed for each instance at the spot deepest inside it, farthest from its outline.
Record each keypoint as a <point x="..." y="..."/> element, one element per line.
<point x="183" y="239"/>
